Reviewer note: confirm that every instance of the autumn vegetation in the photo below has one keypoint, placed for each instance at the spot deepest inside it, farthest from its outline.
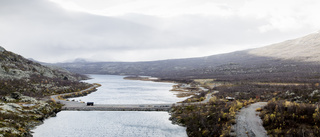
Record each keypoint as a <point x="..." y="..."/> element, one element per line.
<point x="292" y="109"/>
<point x="39" y="86"/>
<point x="210" y="119"/>
<point x="285" y="118"/>
<point x="80" y="93"/>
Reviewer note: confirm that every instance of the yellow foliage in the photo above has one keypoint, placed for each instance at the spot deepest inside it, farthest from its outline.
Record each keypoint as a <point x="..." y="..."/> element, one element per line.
<point x="22" y="129"/>
<point x="251" y="100"/>
<point x="266" y="118"/>
<point x="213" y="99"/>
<point x="259" y="109"/>
<point x="316" y="116"/>
<point x="54" y="101"/>
<point x="245" y="103"/>
<point x="205" y="132"/>
<point x="224" y="115"/>
<point x="277" y="131"/>
<point x="272" y="117"/>
<point x="293" y="115"/>
<point x="288" y="103"/>
<point x="239" y="104"/>
<point x="231" y="109"/>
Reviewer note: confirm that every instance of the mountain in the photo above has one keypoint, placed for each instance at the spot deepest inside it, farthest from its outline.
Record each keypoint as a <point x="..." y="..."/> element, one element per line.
<point x="305" y="49"/>
<point x="292" y="60"/>
<point x="14" y="66"/>
<point x="18" y="74"/>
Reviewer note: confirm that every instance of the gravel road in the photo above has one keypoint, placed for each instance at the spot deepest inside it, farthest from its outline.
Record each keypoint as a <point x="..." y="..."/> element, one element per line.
<point x="248" y="122"/>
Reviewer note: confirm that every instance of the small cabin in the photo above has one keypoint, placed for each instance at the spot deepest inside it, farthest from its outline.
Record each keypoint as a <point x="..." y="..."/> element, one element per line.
<point x="230" y="98"/>
<point x="90" y="103"/>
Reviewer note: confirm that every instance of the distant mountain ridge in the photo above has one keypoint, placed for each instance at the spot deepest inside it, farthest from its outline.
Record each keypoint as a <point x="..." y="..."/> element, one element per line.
<point x="295" y="59"/>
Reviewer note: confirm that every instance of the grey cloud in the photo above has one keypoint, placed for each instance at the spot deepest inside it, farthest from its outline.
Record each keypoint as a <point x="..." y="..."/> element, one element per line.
<point x="44" y="31"/>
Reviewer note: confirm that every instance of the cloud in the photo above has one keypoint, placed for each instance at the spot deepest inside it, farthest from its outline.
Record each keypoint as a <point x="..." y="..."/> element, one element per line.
<point x="284" y="15"/>
<point x="140" y="30"/>
<point x="164" y="8"/>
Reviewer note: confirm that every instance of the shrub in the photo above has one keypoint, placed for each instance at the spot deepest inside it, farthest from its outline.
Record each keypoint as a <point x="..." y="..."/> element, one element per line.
<point x="290" y="119"/>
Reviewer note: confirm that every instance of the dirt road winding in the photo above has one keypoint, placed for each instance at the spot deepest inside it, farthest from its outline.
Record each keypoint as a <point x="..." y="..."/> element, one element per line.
<point x="249" y="124"/>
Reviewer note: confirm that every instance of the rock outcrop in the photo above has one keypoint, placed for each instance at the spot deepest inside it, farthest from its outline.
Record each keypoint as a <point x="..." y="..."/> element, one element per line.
<point x="24" y="87"/>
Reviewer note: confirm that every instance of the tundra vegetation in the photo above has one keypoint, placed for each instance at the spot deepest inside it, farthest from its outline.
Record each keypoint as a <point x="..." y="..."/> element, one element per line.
<point x="214" y="118"/>
<point x="292" y="108"/>
<point x="285" y="74"/>
<point x="285" y="118"/>
<point x="25" y="87"/>
<point x="80" y="93"/>
<point x="19" y="113"/>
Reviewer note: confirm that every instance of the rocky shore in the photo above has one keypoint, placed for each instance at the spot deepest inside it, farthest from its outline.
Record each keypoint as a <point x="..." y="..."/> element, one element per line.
<point x="19" y="114"/>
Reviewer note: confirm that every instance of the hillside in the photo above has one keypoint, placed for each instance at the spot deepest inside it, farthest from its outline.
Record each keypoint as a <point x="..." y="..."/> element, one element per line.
<point x="18" y="74"/>
<point x="292" y="60"/>
<point x="284" y="74"/>
<point x="14" y="66"/>
<point x="24" y="89"/>
<point x="305" y="49"/>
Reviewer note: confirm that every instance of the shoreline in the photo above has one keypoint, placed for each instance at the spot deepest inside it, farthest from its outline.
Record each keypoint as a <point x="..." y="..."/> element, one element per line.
<point x="57" y="99"/>
<point x="62" y="98"/>
<point x="147" y="78"/>
<point x="181" y="89"/>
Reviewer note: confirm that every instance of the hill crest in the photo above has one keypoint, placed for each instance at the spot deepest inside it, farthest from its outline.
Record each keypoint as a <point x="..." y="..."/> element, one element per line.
<point x="305" y="49"/>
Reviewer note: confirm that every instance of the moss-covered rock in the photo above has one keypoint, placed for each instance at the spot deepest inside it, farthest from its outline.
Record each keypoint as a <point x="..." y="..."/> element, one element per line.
<point x="17" y="119"/>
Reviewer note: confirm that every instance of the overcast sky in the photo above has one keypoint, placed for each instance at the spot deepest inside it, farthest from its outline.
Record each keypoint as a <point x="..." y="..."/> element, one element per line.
<point x="143" y="30"/>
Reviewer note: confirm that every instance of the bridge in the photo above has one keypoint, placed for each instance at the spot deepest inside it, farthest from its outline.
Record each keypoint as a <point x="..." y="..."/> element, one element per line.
<point x="120" y="107"/>
<point x="78" y="106"/>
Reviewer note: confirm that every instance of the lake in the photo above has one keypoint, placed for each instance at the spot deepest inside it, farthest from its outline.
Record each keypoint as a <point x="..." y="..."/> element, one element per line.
<point x="116" y="90"/>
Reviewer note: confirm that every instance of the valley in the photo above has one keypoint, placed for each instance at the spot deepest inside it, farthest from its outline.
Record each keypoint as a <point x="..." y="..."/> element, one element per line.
<point x="289" y="82"/>
<point x="286" y="71"/>
<point x="159" y="68"/>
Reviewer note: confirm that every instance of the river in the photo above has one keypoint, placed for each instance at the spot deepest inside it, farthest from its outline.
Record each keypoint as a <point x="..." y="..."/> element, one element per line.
<point x="116" y="90"/>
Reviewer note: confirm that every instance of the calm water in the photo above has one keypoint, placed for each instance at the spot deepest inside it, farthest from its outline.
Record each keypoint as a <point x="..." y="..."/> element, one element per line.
<point x="115" y="90"/>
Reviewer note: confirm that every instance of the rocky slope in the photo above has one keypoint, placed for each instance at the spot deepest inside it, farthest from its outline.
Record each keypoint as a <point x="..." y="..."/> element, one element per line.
<point x="305" y="49"/>
<point x="18" y="74"/>
<point x="13" y="66"/>
<point x="24" y="90"/>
